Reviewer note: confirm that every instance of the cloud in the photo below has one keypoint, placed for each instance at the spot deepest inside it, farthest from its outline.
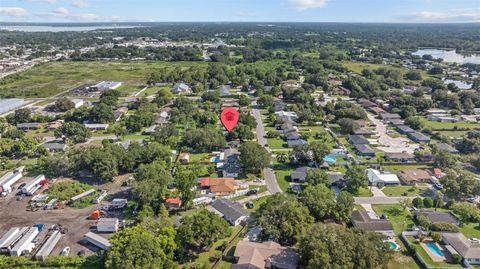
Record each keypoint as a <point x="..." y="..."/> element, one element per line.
<point x="17" y="12"/>
<point x="63" y="13"/>
<point x="80" y="4"/>
<point x="455" y="15"/>
<point x="307" y="4"/>
<point x="44" y="1"/>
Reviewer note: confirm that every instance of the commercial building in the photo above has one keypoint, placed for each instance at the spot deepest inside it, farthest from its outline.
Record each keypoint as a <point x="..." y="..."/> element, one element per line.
<point x="48" y="246"/>
<point x="107" y="225"/>
<point x="77" y="103"/>
<point x="25" y="245"/>
<point x="107" y="85"/>
<point x="97" y="241"/>
<point x="8" y="236"/>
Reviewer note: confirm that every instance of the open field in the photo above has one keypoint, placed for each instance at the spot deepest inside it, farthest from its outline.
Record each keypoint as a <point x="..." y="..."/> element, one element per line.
<point x="406" y="191"/>
<point x="399" y="218"/>
<point x="55" y="77"/>
<point x="450" y="125"/>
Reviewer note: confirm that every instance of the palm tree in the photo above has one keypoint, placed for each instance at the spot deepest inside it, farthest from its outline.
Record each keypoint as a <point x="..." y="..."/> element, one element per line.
<point x="282" y="157"/>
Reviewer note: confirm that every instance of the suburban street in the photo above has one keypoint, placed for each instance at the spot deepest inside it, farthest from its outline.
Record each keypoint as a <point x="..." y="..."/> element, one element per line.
<point x="270" y="178"/>
<point x="378" y="200"/>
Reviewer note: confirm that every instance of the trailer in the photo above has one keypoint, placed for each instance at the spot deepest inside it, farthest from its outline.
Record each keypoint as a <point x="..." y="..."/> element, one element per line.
<point x="9" y="235"/>
<point x="7" y="180"/>
<point x="25" y="245"/>
<point x="119" y="203"/>
<point x="107" y="225"/>
<point x="48" y="246"/>
<point x="82" y="195"/>
<point x="33" y="185"/>
<point x="12" y="240"/>
<point x="97" y="240"/>
<point x="102" y="195"/>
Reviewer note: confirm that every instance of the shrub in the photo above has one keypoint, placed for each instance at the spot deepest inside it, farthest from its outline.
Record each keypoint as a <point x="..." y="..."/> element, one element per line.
<point x="456" y="258"/>
<point x="444" y="227"/>
<point x="437" y="237"/>
<point x="428" y="202"/>
<point x="417" y="202"/>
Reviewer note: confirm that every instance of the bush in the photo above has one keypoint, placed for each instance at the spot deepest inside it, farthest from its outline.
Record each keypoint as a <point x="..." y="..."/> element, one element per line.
<point x="456" y="258"/>
<point x="437" y="237"/>
<point x="444" y="227"/>
<point x="417" y="202"/>
<point x="428" y="202"/>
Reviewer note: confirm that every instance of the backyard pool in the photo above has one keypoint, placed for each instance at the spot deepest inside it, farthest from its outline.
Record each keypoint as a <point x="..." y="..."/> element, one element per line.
<point x="330" y="159"/>
<point x="393" y="245"/>
<point x="215" y="159"/>
<point x="434" y="249"/>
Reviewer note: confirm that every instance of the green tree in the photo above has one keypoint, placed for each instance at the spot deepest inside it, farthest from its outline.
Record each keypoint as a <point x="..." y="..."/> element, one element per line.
<point x="102" y="113"/>
<point x="151" y="183"/>
<point x="284" y="218"/>
<point x="418" y="202"/>
<point x="320" y="201"/>
<point x="466" y="212"/>
<point x="64" y="104"/>
<point x="428" y="202"/>
<point x="356" y="178"/>
<point x="317" y="177"/>
<point x="344" y="207"/>
<point x="253" y="157"/>
<point x="138" y="248"/>
<point x="347" y="125"/>
<point x="74" y="132"/>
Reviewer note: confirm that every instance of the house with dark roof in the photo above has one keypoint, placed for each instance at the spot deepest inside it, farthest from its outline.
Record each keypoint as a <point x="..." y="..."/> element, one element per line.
<point x="29" y="126"/>
<point x="364" y="150"/>
<point x="367" y="104"/>
<point x="446" y="147"/>
<point x="457" y="243"/>
<point x="358" y="139"/>
<point x="419" y="137"/>
<point x="300" y="174"/>
<point x="232" y="212"/>
<point x="397" y="122"/>
<point x="336" y="178"/>
<point x="296" y="143"/>
<point x="404" y="129"/>
<point x="369" y="221"/>
<point x="414" y="176"/>
<point x="292" y="136"/>
<point x="364" y="132"/>
<point x="55" y="147"/>
<point x="437" y="216"/>
<point x="399" y="157"/>
<point x="389" y="116"/>
<point x="376" y="110"/>
<point x="253" y="255"/>
<point x="231" y="166"/>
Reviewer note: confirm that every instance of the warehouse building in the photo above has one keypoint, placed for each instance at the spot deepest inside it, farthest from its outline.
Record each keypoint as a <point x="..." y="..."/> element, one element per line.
<point x="107" y="225"/>
<point x="49" y="245"/>
<point x="25" y="245"/>
<point x="97" y="240"/>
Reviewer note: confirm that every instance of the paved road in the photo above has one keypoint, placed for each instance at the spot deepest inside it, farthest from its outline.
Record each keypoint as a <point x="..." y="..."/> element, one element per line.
<point x="379" y="200"/>
<point x="270" y="178"/>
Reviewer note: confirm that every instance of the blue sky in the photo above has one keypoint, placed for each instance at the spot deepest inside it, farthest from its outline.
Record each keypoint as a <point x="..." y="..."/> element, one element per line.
<point x="241" y="10"/>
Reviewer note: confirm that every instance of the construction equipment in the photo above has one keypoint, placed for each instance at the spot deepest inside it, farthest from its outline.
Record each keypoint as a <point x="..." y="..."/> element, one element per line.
<point x="95" y="215"/>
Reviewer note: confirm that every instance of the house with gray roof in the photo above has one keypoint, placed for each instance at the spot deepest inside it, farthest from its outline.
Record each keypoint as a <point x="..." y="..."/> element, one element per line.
<point x="300" y="174"/>
<point x="457" y="243"/>
<point x="446" y="147"/>
<point x="364" y="150"/>
<point x="296" y="143"/>
<point x="419" y="137"/>
<point x="358" y="139"/>
<point x="369" y="221"/>
<point x="181" y="88"/>
<point x="404" y="129"/>
<point x="232" y="212"/>
<point x="225" y="90"/>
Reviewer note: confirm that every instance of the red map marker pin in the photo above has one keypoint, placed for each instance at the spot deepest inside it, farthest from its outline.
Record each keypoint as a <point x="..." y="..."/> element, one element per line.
<point x="229" y="118"/>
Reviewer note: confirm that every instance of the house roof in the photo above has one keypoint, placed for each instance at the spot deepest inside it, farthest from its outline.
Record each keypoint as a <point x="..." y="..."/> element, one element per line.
<point x="446" y="147"/>
<point x="231" y="211"/>
<point x="219" y="184"/>
<point x="173" y="201"/>
<point x="300" y="173"/>
<point x="374" y="176"/>
<point x="405" y="129"/>
<point x="419" y="136"/>
<point x="55" y="146"/>
<point x="367" y="104"/>
<point x="358" y="139"/>
<point x="438" y="216"/>
<point x="399" y="156"/>
<point x="377" y="110"/>
<point x="264" y="255"/>
<point x="413" y="175"/>
<point x="362" y="131"/>
<point x="362" y="220"/>
<point x="364" y="149"/>
<point x="462" y="245"/>
<point x="299" y="142"/>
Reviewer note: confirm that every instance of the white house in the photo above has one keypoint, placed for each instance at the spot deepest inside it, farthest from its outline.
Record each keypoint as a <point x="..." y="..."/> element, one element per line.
<point x="77" y="102"/>
<point x="181" y="88"/>
<point x="375" y="178"/>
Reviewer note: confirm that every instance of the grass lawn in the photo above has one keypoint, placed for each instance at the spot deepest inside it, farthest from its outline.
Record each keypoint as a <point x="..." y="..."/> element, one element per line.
<point x="419" y="249"/>
<point x="277" y="143"/>
<point x="399" y="218"/>
<point x="364" y="192"/>
<point x="401" y="259"/>
<point x="283" y="172"/>
<point x="471" y="230"/>
<point x="450" y="125"/>
<point x="406" y="191"/>
<point x="257" y="203"/>
<point x="397" y="168"/>
<point x="199" y="157"/>
<point x="52" y="78"/>
<point x="453" y="133"/>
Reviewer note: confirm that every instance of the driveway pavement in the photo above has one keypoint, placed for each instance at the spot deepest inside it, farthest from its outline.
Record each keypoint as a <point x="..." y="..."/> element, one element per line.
<point x="377" y="192"/>
<point x="269" y="174"/>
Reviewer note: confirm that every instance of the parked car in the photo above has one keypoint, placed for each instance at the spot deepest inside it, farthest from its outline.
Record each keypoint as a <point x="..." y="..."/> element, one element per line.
<point x="249" y="205"/>
<point x="252" y="192"/>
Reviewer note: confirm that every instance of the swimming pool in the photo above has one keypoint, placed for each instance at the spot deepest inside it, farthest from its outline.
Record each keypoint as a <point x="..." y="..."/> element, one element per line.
<point x="434" y="249"/>
<point x="215" y="159"/>
<point x="393" y="246"/>
<point x="330" y="159"/>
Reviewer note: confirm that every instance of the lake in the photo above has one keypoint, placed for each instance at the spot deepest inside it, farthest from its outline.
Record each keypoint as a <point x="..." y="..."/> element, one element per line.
<point x="450" y="56"/>
<point x="46" y="28"/>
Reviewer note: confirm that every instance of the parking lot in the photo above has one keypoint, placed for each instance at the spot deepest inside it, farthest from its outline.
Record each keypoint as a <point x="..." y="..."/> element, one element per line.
<point x="75" y="221"/>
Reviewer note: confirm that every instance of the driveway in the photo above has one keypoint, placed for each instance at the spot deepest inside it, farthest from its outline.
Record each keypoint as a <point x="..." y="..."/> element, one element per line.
<point x="269" y="174"/>
<point x="390" y="144"/>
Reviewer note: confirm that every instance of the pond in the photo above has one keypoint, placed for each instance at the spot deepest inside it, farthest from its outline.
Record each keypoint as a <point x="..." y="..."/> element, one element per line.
<point x="449" y="56"/>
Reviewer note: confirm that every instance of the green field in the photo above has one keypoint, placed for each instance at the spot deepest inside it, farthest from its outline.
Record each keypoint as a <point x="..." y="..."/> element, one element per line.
<point x="406" y="191"/>
<point x="56" y="77"/>
<point x="399" y="218"/>
<point x="450" y="125"/>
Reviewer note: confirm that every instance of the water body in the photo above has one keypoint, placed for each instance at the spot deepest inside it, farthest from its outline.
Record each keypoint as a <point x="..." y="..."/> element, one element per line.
<point x="47" y="28"/>
<point x="449" y="56"/>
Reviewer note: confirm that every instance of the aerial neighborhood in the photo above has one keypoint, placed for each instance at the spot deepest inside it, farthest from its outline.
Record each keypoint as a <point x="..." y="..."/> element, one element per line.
<point x="348" y="152"/>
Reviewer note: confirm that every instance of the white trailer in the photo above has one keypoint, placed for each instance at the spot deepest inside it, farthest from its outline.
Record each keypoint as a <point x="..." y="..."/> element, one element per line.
<point x="119" y="203"/>
<point x="81" y="195"/>
<point x="8" y="180"/>
<point x="49" y="245"/>
<point x="97" y="240"/>
<point x="25" y="245"/>
<point x="33" y="185"/>
<point x="107" y="225"/>
<point x="9" y="235"/>
<point x="99" y="198"/>
<point x="8" y="244"/>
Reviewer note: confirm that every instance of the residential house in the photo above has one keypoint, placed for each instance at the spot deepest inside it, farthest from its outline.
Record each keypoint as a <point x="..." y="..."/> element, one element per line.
<point x="336" y="178"/>
<point x="397" y="122"/>
<point x="414" y="176"/>
<point x="291" y="136"/>
<point x="219" y="186"/>
<point x="364" y="150"/>
<point x="287" y="128"/>
<point x="446" y="147"/>
<point x="457" y="243"/>
<point x="419" y="137"/>
<point x="55" y="147"/>
<point x="375" y="178"/>
<point x="162" y="117"/>
<point x="364" y="132"/>
<point x="77" y="103"/>
<point x="376" y="110"/>
<point x="389" y="116"/>
<point x="289" y="114"/>
<point x="400" y="157"/>
<point x="54" y="125"/>
<point x="296" y="143"/>
<point x="342" y="91"/>
<point x="368" y="104"/>
<point x="300" y="174"/>
<point x="404" y="129"/>
<point x="358" y="140"/>
<point x="264" y="255"/>
<point x="151" y="130"/>
<point x="231" y="166"/>
<point x="181" y="88"/>
<point x="437" y="216"/>
<point x="97" y="126"/>
<point x="29" y="126"/>
<point x="173" y="203"/>
<point x="232" y="212"/>
<point x="369" y="221"/>
<point x="280" y="105"/>
<point x="118" y="114"/>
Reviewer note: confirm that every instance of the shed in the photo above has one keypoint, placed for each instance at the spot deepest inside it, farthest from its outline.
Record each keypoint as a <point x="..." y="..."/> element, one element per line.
<point x="49" y="245"/>
<point x="107" y="225"/>
<point x="97" y="240"/>
<point x="25" y="245"/>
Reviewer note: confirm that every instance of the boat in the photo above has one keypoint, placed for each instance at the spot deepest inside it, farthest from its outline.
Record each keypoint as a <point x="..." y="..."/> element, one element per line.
<point x="65" y="251"/>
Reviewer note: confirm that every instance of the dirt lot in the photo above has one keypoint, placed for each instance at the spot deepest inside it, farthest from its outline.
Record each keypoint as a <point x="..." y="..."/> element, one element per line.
<point x="14" y="214"/>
